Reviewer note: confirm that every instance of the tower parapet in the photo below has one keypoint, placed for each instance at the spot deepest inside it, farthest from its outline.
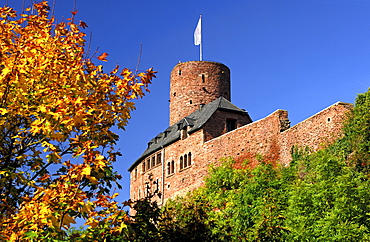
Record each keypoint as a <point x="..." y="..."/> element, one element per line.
<point x="194" y="84"/>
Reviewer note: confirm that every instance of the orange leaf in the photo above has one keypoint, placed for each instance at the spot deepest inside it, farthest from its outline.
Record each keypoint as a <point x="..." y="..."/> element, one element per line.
<point x="103" y="57"/>
<point x="74" y="12"/>
<point x="83" y="24"/>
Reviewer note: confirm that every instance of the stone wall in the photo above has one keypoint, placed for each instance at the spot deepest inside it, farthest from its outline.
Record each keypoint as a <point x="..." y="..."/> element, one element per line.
<point x="315" y="132"/>
<point x="268" y="137"/>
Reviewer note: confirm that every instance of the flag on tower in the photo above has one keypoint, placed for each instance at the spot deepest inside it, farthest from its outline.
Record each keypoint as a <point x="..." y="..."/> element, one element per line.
<point x="198" y="32"/>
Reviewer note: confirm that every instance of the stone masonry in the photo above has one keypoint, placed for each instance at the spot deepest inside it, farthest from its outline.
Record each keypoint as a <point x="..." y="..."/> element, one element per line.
<point x="211" y="127"/>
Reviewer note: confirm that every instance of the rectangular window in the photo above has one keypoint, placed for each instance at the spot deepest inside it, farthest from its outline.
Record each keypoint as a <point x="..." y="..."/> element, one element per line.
<point x="148" y="164"/>
<point x="230" y="124"/>
<point x="159" y="158"/>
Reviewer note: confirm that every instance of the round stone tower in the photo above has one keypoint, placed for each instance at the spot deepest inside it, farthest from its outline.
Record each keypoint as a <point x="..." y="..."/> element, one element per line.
<point x="196" y="83"/>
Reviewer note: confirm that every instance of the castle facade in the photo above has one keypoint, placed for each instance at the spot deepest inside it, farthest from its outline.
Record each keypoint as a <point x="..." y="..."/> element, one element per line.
<point x="205" y="126"/>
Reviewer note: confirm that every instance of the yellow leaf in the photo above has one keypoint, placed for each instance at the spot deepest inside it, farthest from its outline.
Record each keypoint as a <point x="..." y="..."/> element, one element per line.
<point x="3" y="111"/>
<point x="13" y="237"/>
<point x="42" y="109"/>
<point x="93" y="180"/>
<point x="86" y="171"/>
<point x="5" y="71"/>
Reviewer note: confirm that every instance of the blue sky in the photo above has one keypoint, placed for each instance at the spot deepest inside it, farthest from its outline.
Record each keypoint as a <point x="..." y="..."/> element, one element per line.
<point x="301" y="56"/>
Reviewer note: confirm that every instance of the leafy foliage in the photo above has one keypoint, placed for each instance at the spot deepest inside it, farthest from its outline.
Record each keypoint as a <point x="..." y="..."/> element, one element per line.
<point x="57" y="110"/>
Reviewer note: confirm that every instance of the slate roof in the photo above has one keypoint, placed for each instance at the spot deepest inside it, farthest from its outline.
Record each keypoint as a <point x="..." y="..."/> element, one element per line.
<point x="195" y="121"/>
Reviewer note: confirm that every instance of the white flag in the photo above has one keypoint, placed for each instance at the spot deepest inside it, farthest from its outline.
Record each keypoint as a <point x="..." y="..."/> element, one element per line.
<point x="198" y="32"/>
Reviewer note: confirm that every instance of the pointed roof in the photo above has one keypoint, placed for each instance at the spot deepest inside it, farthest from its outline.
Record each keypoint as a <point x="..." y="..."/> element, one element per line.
<point x="194" y="121"/>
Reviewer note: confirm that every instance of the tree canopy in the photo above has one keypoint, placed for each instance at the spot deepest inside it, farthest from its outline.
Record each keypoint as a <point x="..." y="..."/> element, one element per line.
<point x="57" y="111"/>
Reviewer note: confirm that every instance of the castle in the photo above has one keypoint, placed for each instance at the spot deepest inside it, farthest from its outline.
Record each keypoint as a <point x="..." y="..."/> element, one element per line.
<point x="205" y="126"/>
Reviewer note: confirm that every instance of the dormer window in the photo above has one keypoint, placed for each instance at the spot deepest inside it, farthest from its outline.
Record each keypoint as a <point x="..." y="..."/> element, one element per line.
<point x="184" y="132"/>
<point x="230" y="124"/>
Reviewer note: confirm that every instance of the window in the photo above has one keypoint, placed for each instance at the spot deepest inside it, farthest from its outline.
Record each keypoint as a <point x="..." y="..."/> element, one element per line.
<point x="184" y="133"/>
<point x="230" y="124"/>
<point x="143" y="166"/>
<point x="203" y="78"/>
<point x="181" y="163"/>
<point x="148" y="164"/>
<point x="159" y="158"/>
<point x="185" y="160"/>
<point x="139" y="195"/>
<point x="179" y="72"/>
<point x="135" y="173"/>
<point x="153" y="160"/>
<point x="172" y="167"/>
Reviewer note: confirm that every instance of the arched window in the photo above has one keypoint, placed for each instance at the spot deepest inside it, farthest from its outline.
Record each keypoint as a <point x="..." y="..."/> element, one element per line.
<point x="189" y="158"/>
<point x="185" y="160"/>
<point x="168" y="168"/>
<point x="181" y="163"/>
<point x="172" y="167"/>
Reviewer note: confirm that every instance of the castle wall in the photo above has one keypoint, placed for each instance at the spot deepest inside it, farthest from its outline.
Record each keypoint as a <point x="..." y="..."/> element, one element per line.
<point x="259" y="137"/>
<point x="184" y="179"/>
<point x="265" y="137"/>
<point x="315" y="132"/>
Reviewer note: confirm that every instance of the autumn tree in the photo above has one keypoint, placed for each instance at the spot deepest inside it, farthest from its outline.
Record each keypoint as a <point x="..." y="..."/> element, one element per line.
<point x="57" y="110"/>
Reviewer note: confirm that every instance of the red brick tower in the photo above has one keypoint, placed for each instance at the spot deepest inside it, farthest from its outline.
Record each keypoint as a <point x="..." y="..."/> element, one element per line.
<point x="195" y="83"/>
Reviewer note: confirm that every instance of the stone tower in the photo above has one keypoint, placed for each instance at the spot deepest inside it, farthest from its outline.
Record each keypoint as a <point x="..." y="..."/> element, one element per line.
<point x="194" y="84"/>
